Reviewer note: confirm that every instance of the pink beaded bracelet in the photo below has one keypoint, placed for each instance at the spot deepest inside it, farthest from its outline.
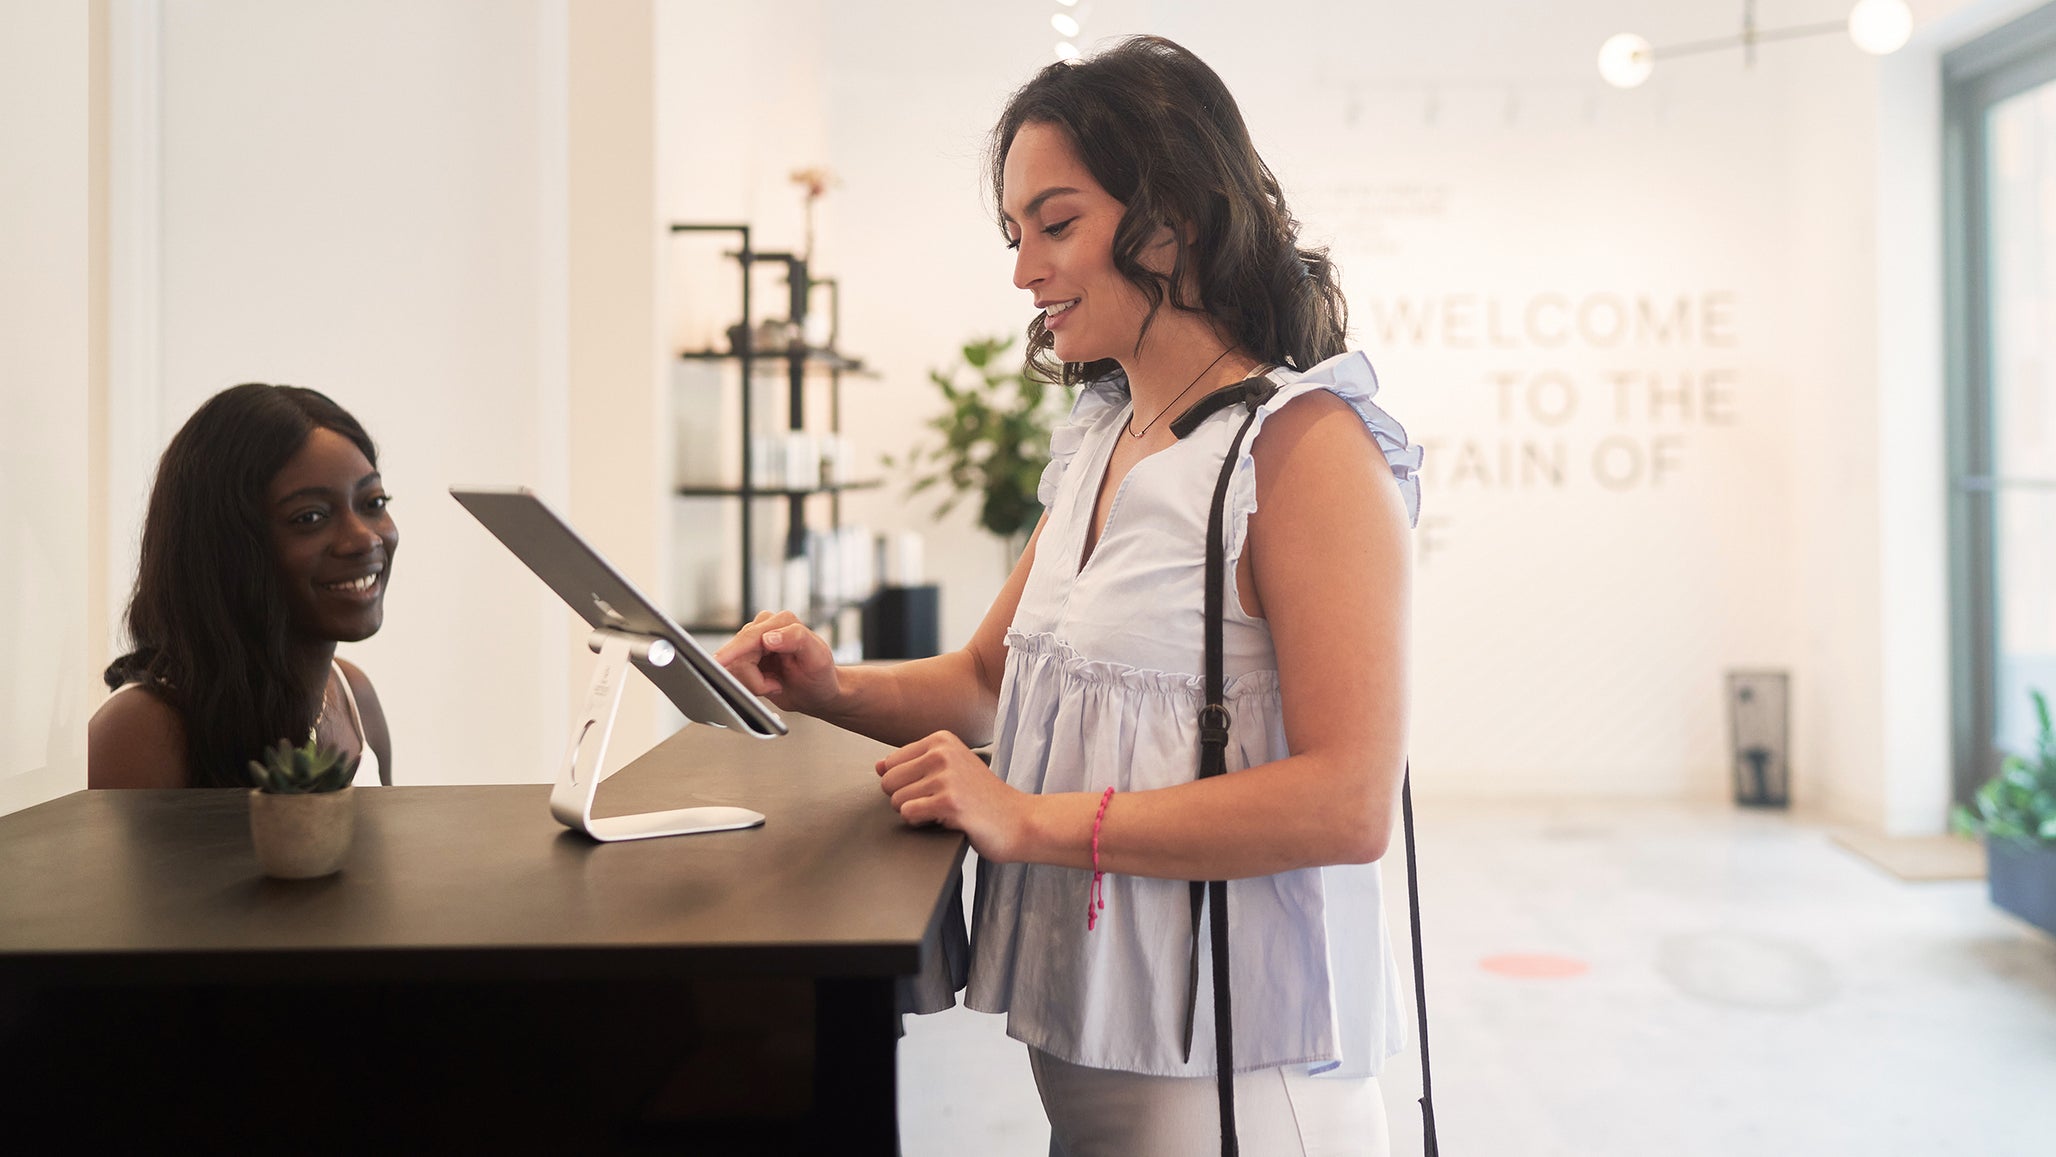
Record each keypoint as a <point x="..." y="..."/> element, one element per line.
<point x="1097" y="899"/>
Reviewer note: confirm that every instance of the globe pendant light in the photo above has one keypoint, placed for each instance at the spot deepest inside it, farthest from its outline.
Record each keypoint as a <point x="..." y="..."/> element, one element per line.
<point x="1876" y="26"/>
<point x="1626" y="60"/>
<point x="1880" y="27"/>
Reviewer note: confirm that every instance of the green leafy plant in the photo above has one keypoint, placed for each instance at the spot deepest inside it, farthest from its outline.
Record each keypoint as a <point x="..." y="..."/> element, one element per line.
<point x="315" y="767"/>
<point x="2019" y="803"/>
<point x="995" y="439"/>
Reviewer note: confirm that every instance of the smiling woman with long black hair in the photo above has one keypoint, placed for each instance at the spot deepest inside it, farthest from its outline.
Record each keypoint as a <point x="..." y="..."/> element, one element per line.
<point x="266" y="543"/>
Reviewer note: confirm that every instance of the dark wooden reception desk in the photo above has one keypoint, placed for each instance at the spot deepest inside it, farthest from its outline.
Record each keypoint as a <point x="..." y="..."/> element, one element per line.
<point x="477" y="976"/>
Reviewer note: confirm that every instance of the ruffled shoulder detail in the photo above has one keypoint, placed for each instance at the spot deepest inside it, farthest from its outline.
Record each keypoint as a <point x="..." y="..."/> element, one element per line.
<point x="1350" y="377"/>
<point x="1097" y="402"/>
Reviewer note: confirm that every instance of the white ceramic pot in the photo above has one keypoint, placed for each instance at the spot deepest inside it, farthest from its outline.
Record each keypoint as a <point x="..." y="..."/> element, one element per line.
<point x="299" y="837"/>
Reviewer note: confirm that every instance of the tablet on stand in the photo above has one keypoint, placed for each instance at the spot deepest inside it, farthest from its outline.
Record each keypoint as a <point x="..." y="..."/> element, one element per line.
<point x="628" y="630"/>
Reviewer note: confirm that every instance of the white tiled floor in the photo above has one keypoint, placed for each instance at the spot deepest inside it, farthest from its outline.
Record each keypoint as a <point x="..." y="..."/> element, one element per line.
<point x="1753" y="989"/>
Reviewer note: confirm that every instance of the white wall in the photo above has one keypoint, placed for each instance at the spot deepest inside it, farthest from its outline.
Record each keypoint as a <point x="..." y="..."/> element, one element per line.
<point x="1572" y="637"/>
<point x="1573" y="623"/>
<point x="377" y="200"/>
<point x="358" y="198"/>
<point x="909" y="102"/>
<point x="615" y="424"/>
<point x="739" y="109"/>
<point x="49" y="316"/>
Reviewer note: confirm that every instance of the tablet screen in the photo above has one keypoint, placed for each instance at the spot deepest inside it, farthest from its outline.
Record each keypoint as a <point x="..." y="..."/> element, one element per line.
<point x="701" y="688"/>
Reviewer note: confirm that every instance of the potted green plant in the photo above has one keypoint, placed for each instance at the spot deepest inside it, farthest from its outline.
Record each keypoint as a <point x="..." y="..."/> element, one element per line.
<point x="302" y="811"/>
<point x="995" y="440"/>
<point x="2016" y="816"/>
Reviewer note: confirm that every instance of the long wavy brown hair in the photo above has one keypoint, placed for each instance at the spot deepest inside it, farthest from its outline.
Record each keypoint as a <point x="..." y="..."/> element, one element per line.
<point x="1160" y="132"/>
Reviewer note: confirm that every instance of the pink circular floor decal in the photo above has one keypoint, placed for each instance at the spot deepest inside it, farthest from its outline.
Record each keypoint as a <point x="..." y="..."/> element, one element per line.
<point x="1534" y="965"/>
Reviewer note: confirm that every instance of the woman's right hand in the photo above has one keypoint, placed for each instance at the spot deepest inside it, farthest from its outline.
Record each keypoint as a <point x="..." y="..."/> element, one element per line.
<point x="777" y="657"/>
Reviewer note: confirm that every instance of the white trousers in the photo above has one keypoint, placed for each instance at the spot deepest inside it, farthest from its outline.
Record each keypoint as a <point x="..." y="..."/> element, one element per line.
<point x="1105" y="1113"/>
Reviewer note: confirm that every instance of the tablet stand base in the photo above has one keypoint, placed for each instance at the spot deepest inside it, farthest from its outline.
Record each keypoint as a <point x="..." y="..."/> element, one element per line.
<point x="571" y="801"/>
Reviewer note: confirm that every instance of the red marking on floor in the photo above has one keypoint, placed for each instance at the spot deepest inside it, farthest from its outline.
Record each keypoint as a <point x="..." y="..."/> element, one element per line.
<point x="1534" y="966"/>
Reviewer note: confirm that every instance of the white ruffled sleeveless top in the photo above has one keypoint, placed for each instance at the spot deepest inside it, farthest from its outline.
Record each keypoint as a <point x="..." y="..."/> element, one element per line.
<point x="1102" y="688"/>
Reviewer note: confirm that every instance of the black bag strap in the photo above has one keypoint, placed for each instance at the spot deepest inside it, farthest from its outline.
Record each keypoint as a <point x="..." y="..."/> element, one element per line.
<point x="1214" y="723"/>
<point x="1213" y="751"/>
<point x="1413" y="907"/>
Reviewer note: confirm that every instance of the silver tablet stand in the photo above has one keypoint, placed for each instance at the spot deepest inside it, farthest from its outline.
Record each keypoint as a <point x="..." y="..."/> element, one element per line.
<point x="572" y="799"/>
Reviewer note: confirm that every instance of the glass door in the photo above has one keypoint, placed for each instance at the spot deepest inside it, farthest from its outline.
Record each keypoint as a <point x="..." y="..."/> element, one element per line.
<point x="2001" y="146"/>
<point x="2020" y="193"/>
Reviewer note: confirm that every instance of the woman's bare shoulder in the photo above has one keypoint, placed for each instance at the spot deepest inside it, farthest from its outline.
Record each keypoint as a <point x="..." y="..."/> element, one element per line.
<point x="1320" y="415"/>
<point x="136" y="739"/>
<point x="367" y="696"/>
<point x="359" y="681"/>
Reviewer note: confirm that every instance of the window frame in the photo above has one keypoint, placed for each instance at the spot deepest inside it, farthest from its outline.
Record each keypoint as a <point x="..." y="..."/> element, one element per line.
<point x="2003" y="63"/>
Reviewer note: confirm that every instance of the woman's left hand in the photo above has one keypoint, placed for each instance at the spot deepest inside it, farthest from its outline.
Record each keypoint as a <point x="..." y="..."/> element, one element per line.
<point x="938" y="780"/>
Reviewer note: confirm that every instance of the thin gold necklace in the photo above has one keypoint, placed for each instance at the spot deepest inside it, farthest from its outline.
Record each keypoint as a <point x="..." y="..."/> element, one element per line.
<point x="314" y="732"/>
<point x="1129" y="425"/>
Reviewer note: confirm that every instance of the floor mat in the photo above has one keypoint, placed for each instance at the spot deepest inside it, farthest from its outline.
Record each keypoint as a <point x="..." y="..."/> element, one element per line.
<point x="1919" y="857"/>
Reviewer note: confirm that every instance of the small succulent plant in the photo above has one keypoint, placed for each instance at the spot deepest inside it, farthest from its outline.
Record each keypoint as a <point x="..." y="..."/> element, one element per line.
<point x="316" y="767"/>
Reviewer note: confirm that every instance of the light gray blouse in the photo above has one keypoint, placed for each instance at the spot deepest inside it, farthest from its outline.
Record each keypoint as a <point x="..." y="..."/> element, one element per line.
<point x="1102" y="687"/>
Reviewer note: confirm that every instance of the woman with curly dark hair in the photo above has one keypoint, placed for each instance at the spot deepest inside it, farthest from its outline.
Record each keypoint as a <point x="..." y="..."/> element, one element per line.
<point x="1208" y="344"/>
<point x="267" y="541"/>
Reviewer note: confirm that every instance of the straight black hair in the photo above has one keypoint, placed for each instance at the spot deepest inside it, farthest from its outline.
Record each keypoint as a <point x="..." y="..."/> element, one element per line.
<point x="1159" y="131"/>
<point x="207" y="620"/>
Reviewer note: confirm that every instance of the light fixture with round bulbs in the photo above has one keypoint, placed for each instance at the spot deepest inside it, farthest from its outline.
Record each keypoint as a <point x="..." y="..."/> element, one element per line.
<point x="1626" y="60"/>
<point x="1880" y="27"/>
<point x="1069" y="22"/>
<point x="1877" y="26"/>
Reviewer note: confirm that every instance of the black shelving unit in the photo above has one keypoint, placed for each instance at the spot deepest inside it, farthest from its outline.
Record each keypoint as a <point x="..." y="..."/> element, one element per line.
<point x="797" y="361"/>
